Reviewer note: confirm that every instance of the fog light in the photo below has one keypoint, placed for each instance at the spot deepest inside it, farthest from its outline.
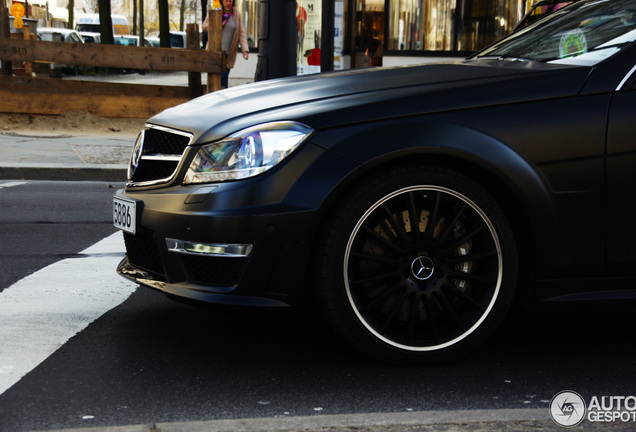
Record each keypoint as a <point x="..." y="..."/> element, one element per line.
<point x="224" y="250"/>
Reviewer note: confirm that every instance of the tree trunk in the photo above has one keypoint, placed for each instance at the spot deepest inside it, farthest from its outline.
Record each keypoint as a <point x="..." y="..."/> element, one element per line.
<point x="71" y="13"/>
<point x="105" y="22"/>
<point x="182" y="16"/>
<point x="204" y="10"/>
<point x="134" y="29"/>
<point x="142" y="33"/>
<point x="164" y="24"/>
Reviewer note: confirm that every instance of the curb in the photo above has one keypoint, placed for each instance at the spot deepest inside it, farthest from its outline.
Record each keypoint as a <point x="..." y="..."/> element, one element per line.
<point x="111" y="173"/>
<point x="465" y="420"/>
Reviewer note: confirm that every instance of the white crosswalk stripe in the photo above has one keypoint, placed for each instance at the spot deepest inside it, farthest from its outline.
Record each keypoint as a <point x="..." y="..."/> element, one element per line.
<point x="12" y="184"/>
<point x="39" y="313"/>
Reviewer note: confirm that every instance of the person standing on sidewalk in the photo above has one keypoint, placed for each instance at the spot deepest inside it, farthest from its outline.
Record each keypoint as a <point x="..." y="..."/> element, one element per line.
<point x="233" y="35"/>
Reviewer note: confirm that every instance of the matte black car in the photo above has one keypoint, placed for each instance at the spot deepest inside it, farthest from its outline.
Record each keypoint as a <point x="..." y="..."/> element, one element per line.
<point x="410" y="204"/>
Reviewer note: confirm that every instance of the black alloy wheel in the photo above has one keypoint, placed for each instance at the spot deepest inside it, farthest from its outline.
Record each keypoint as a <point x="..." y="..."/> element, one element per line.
<point x="418" y="266"/>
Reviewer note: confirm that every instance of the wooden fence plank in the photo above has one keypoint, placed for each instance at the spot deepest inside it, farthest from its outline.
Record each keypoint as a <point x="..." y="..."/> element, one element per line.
<point x="28" y="95"/>
<point x="116" y="56"/>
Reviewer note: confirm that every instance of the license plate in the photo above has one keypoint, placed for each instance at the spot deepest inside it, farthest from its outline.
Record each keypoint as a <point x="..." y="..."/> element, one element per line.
<point x="125" y="215"/>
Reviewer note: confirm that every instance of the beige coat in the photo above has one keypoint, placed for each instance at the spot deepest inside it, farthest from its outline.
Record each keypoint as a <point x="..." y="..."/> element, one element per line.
<point x="240" y="38"/>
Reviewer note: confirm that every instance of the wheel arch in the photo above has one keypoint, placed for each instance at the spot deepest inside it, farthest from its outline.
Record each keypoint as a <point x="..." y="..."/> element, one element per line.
<point x="521" y="191"/>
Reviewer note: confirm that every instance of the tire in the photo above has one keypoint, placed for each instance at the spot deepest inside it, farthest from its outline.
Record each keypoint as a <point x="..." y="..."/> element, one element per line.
<point x="423" y="292"/>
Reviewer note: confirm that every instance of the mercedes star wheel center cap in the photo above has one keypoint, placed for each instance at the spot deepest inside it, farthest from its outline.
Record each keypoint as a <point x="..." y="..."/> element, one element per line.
<point x="422" y="268"/>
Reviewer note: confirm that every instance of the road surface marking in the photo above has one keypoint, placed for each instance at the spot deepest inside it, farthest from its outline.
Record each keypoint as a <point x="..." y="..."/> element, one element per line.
<point x="39" y="313"/>
<point x="11" y="184"/>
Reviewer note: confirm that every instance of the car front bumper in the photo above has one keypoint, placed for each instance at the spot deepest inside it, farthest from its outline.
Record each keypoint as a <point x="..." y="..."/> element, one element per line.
<point x="191" y="251"/>
<point x="237" y="243"/>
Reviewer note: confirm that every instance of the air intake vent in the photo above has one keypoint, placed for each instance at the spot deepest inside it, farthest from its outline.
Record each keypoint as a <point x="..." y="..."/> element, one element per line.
<point x="143" y="252"/>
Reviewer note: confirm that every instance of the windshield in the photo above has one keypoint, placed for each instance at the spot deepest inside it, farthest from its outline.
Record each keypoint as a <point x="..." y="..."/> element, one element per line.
<point x="126" y="40"/>
<point x="584" y="33"/>
<point x="87" y="27"/>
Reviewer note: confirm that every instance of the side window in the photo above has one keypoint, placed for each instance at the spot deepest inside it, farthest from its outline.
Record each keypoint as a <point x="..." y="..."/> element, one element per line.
<point x="176" y="41"/>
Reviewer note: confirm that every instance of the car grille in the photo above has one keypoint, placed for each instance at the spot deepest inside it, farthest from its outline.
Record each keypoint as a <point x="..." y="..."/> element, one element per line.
<point x="215" y="271"/>
<point x="159" y="156"/>
<point x="143" y="252"/>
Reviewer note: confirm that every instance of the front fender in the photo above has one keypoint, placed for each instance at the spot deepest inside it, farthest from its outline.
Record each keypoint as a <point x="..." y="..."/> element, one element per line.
<point x="458" y="147"/>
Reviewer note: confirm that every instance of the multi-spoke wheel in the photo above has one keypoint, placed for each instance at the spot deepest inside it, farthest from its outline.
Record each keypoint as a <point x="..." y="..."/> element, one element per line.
<point x="419" y="265"/>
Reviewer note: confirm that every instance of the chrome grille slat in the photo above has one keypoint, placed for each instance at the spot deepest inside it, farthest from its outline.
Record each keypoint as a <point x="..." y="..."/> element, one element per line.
<point x="157" y="155"/>
<point x="162" y="157"/>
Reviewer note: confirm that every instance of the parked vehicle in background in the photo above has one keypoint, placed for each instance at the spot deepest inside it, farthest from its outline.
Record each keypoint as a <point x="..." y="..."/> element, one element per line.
<point x="64" y="35"/>
<point x="91" y="37"/>
<point x="178" y="39"/>
<point x="67" y="35"/>
<point x="90" y="23"/>
<point x="154" y="41"/>
<point x="130" y="40"/>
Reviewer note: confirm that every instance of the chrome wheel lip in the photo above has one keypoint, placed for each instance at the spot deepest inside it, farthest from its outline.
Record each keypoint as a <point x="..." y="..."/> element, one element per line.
<point x="495" y="295"/>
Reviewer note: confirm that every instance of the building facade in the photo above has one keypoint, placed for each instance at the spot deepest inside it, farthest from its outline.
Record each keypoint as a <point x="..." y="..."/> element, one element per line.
<point x="370" y="33"/>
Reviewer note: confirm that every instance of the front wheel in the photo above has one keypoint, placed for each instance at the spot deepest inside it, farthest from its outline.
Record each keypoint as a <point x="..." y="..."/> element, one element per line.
<point x="418" y="266"/>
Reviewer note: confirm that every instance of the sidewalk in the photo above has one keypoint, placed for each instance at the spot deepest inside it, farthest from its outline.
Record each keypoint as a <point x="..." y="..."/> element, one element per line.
<point x="43" y="156"/>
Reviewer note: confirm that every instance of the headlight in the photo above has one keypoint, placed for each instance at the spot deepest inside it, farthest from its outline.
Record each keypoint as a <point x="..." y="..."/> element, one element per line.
<point x="246" y="153"/>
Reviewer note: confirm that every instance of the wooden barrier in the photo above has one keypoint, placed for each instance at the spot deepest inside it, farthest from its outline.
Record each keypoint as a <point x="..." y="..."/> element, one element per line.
<point x="32" y="95"/>
<point x="44" y="95"/>
<point x="115" y="56"/>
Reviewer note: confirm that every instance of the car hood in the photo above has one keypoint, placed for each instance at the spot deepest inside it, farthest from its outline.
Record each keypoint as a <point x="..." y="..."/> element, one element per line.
<point x="338" y="98"/>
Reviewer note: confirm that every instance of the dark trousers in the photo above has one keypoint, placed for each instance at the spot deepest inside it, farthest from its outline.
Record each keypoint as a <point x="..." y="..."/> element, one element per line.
<point x="224" y="78"/>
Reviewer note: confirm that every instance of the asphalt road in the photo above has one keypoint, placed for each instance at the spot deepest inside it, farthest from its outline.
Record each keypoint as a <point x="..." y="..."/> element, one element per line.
<point x="151" y="361"/>
<point x="44" y="222"/>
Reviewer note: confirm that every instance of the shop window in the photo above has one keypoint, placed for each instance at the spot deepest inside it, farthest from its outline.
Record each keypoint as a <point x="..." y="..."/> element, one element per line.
<point x="308" y="26"/>
<point x="369" y="32"/>
<point x="450" y="25"/>
<point x="249" y="9"/>
<point x="340" y="32"/>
